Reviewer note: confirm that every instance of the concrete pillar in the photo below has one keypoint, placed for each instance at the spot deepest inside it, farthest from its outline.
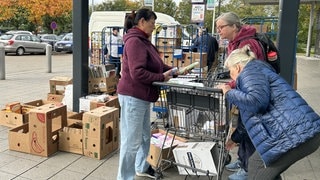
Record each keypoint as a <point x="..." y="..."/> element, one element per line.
<point x="2" y="63"/>
<point x="49" y="57"/>
<point x="287" y="38"/>
<point x="80" y="53"/>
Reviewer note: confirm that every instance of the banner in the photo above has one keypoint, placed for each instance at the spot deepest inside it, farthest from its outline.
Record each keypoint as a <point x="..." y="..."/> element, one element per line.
<point x="197" y="14"/>
<point x="148" y="2"/>
<point x="210" y="4"/>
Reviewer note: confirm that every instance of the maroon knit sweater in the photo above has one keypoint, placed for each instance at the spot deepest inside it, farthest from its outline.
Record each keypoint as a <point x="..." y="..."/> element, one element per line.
<point x="141" y="66"/>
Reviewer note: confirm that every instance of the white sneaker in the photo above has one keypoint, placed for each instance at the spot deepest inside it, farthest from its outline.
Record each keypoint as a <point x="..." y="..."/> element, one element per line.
<point x="235" y="166"/>
<point x="240" y="175"/>
<point x="149" y="173"/>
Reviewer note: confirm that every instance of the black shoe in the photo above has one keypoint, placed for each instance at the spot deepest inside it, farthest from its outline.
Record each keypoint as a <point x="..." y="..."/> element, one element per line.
<point x="150" y="173"/>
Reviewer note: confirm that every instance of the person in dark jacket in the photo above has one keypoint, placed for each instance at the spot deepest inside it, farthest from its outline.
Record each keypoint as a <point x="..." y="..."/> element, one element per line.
<point x="281" y="125"/>
<point x="205" y="43"/>
<point x="141" y="66"/>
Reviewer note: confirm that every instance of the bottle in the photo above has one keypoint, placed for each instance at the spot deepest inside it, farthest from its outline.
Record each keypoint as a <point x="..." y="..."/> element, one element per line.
<point x="174" y="72"/>
<point x="272" y="56"/>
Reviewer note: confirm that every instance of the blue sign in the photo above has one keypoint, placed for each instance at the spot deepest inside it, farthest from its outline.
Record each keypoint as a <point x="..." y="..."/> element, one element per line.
<point x="53" y="25"/>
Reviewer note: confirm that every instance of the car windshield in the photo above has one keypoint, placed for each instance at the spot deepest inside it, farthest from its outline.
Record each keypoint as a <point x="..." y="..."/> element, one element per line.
<point x="6" y="36"/>
<point x="67" y="38"/>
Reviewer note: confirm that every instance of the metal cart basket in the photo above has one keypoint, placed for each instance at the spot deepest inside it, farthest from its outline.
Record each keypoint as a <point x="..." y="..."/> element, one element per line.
<point x="197" y="113"/>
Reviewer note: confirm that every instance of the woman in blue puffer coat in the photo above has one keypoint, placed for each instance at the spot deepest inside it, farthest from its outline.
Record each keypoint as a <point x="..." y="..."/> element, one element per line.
<point x="281" y="125"/>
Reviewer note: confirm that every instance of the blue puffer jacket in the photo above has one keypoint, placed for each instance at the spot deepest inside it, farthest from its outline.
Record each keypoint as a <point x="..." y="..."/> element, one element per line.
<point x="276" y="117"/>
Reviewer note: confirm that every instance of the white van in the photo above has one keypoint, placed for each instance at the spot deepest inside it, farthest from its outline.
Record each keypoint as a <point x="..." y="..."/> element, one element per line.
<point x="100" y="20"/>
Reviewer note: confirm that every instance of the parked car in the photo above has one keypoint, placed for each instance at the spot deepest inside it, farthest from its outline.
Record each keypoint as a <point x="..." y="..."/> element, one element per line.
<point x="19" y="32"/>
<point x="60" y="36"/>
<point x="65" y="45"/>
<point x="22" y="43"/>
<point x="49" y="38"/>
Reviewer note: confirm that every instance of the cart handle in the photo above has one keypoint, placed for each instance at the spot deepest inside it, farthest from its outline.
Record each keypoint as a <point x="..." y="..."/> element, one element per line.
<point x="207" y="89"/>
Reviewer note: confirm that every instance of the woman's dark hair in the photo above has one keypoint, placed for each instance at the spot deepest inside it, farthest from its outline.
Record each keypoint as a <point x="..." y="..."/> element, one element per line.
<point x="133" y="18"/>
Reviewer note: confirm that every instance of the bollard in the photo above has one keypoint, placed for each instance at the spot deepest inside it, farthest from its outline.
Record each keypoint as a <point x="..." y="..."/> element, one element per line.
<point x="49" y="57"/>
<point x="2" y="63"/>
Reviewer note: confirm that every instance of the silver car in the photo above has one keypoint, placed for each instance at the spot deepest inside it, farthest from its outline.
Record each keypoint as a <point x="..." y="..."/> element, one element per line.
<point x="22" y="43"/>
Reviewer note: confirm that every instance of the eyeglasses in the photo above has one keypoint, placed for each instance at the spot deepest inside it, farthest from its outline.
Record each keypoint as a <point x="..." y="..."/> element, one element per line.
<point x="219" y="28"/>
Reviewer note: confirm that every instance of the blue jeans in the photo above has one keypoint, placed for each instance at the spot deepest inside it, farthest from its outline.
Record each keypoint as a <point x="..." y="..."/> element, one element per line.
<point x="135" y="136"/>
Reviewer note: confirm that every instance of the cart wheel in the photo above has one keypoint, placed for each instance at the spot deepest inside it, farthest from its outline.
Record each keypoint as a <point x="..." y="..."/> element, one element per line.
<point x="158" y="175"/>
<point x="161" y="115"/>
<point x="228" y="159"/>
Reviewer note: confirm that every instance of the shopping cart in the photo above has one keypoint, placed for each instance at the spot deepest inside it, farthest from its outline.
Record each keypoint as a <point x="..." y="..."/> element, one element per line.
<point x="196" y="112"/>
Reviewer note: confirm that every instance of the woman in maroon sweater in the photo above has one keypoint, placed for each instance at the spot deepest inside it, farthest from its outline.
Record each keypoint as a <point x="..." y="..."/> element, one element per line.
<point x="141" y="66"/>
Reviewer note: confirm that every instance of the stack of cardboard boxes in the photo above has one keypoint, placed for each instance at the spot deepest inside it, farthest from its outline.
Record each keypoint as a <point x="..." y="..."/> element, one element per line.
<point x="169" y="46"/>
<point x="51" y="128"/>
<point x="17" y="113"/>
<point x="96" y="48"/>
<point x="102" y="79"/>
<point x="40" y="135"/>
<point x="94" y="133"/>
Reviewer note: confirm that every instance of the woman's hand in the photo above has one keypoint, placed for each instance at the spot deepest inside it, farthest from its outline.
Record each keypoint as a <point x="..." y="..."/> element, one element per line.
<point x="224" y="87"/>
<point x="168" y="75"/>
<point x="230" y="144"/>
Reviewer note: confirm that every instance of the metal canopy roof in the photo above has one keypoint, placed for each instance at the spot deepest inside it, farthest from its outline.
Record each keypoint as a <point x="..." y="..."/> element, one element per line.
<point x="273" y="2"/>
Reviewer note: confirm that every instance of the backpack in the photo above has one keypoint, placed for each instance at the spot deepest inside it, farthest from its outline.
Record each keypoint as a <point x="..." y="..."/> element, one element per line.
<point x="270" y="51"/>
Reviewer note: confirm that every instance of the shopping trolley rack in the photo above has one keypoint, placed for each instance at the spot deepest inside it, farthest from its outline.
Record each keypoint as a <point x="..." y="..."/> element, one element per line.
<point x="198" y="113"/>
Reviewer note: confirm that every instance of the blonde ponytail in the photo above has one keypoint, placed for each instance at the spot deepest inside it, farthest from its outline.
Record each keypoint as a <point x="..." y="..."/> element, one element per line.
<point x="240" y="56"/>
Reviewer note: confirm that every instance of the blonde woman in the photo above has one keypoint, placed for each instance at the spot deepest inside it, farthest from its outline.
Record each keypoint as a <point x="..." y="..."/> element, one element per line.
<point x="280" y="123"/>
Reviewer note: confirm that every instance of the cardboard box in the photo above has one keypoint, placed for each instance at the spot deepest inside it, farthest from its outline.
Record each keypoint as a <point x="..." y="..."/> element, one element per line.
<point x="44" y="125"/>
<point x="156" y="153"/>
<point x="55" y="97"/>
<point x="112" y="102"/>
<point x="58" y="83"/>
<point x="105" y="84"/>
<point x="39" y="102"/>
<point x="199" y="155"/>
<point x="172" y="31"/>
<point x="12" y="119"/>
<point x="98" y="148"/>
<point x="99" y="131"/>
<point x="70" y="139"/>
<point x="168" y="44"/>
<point x="74" y="118"/>
<point x="87" y="104"/>
<point x="19" y="138"/>
<point x="189" y="58"/>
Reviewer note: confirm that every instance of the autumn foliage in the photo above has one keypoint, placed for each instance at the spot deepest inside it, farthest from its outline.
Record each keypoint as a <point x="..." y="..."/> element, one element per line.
<point x="34" y="9"/>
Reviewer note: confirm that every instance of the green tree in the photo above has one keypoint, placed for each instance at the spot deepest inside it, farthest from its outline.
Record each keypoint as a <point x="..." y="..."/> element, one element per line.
<point x="118" y="5"/>
<point x="32" y="15"/>
<point x="183" y="14"/>
<point x="168" y="7"/>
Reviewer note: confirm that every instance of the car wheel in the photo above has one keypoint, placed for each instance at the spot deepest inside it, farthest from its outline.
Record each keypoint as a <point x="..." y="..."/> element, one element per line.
<point x="20" y="51"/>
